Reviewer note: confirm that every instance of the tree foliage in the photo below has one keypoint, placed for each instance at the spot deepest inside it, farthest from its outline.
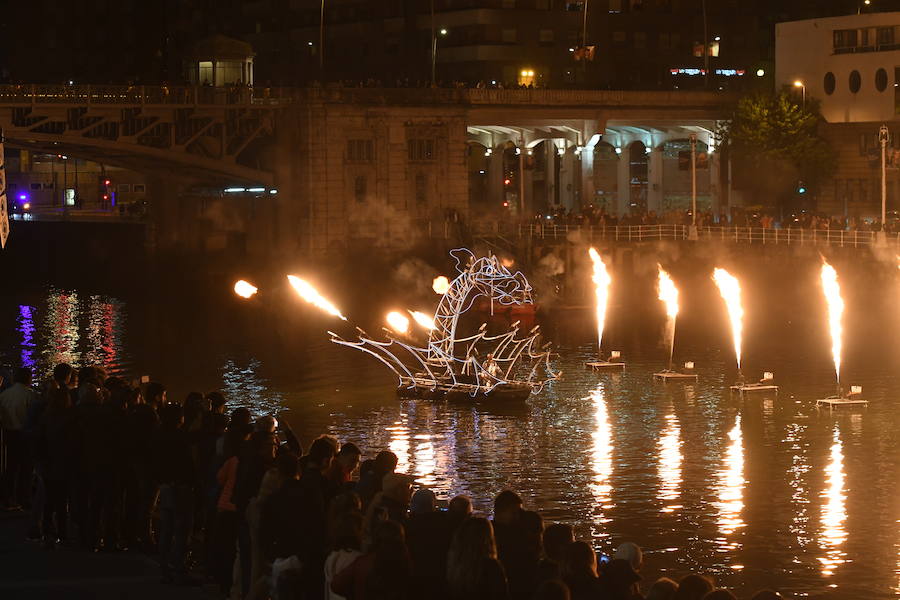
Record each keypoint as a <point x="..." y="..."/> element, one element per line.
<point x="774" y="144"/>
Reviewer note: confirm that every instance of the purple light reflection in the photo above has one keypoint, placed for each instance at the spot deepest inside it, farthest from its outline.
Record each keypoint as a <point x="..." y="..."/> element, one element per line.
<point x="25" y="326"/>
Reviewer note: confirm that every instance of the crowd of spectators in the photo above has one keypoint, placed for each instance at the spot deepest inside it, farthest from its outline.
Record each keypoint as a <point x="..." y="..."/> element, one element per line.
<point x="101" y="464"/>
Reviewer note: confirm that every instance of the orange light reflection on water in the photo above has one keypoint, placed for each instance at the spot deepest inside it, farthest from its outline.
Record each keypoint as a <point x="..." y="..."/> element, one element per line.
<point x="833" y="534"/>
<point x="730" y="486"/>
<point x="601" y="462"/>
<point x="670" y="459"/>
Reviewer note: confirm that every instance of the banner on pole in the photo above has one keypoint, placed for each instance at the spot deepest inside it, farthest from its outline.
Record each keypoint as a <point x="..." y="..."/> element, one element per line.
<point x="4" y="212"/>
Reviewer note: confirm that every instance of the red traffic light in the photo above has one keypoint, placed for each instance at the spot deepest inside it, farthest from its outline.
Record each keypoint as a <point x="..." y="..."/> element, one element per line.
<point x="106" y="182"/>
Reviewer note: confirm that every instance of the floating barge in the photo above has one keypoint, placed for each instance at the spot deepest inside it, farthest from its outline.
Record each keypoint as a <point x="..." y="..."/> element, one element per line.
<point x="671" y="374"/>
<point x="763" y="386"/>
<point x="854" y="398"/>
<point x="613" y="364"/>
<point x="667" y="376"/>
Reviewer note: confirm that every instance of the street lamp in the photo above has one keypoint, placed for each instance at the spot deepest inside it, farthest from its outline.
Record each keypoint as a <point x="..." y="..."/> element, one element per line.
<point x="693" y="184"/>
<point x="883" y="139"/>
<point x="434" y="39"/>
<point x="802" y="86"/>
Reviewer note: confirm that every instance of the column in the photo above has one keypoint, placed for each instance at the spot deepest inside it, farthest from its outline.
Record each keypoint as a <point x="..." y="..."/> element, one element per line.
<point x="623" y="186"/>
<point x="587" y="177"/>
<point x="567" y="179"/>
<point x="550" y="157"/>
<point x="495" y="177"/>
<point x="655" y="190"/>
<point x="714" y="183"/>
<point x="528" y="181"/>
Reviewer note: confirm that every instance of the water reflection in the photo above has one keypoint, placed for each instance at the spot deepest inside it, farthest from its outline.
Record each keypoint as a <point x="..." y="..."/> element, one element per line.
<point x="834" y="510"/>
<point x="243" y="386"/>
<point x="601" y="463"/>
<point x="399" y="443"/>
<point x="797" y="473"/>
<point x="670" y="464"/>
<point x="62" y="324"/>
<point x="25" y="327"/>
<point x="731" y="488"/>
<point x="426" y="463"/>
<point x="103" y="329"/>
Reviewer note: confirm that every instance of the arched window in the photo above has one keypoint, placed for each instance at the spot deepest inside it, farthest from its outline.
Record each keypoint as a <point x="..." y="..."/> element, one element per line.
<point x="829" y="83"/>
<point x="881" y="80"/>
<point x="855" y="81"/>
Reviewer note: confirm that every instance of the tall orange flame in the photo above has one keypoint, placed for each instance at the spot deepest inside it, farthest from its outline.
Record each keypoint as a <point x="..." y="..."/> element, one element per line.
<point x="668" y="293"/>
<point x="422" y="319"/>
<point x="244" y="289"/>
<point x="730" y="290"/>
<point x="602" y="281"/>
<point x="398" y="322"/>
<point x="835" y="311"/>
<point x="311" y="295"/>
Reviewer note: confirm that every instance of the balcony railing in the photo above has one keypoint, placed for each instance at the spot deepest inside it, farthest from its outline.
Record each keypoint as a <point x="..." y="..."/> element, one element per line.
<point x="651" y="233"/>
<point x="31" y="94"/>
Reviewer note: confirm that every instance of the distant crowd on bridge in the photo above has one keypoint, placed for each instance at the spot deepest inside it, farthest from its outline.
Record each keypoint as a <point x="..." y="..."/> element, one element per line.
<point x="599" y="218"/>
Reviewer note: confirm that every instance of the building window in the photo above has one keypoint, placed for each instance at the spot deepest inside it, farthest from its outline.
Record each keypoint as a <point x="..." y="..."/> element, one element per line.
<point x="139" y="187"/>
<point x="123" y="188"/>
<point x="421" y="189"/>
<point x="546" y="36"/>
<point x="420" y="150"/>
<point x="615" y="6"/>
<point x="618" y="37"/>
<point x="885" y="36"/>
<point x="35" y="186"/>
<point x="829" y="83"/>
<point x="360" y="150"/>
<point x="844" y="40"/>
<point x="855" y="81"/>
<point x="880" y="80"/>
<point x="359" y="188"/>
<point x="508" y="36"/>
<point x="640" y="39"/>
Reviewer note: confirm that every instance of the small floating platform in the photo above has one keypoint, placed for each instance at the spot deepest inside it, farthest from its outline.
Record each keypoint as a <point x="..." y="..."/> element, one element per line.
<point x="838" y="401"/>
<point x="668" y="376"/>
<point x="603" y="365"/>
<point x="754" y="388"/>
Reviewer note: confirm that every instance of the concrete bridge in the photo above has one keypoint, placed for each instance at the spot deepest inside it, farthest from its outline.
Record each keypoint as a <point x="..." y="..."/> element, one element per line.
<point x="372" y="164"/>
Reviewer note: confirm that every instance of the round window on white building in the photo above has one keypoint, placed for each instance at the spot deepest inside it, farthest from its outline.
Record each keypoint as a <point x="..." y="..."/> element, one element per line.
<point x="855" y="81"/>
<point x="829" y="83"/>
<point x="880" y="80"/>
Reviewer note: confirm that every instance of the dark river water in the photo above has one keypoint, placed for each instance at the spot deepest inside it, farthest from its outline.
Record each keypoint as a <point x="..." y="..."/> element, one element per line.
<point x="758" y="492"/>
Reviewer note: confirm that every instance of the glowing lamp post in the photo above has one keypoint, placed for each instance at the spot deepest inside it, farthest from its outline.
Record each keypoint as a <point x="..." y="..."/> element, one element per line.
<point x="802" y="86"/>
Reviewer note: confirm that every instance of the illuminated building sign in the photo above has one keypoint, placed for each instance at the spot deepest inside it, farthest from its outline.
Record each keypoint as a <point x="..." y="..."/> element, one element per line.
<point x="693" y="72"/>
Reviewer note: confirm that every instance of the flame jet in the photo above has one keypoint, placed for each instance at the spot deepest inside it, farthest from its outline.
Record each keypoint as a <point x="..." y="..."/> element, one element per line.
<point x="730" y="290"/>
<point x="832" y="290"/>
<point x="398" y="322"/>
<point x="311" y="295"/>
<point x="668" y="293"/>
<point x="602" y="281"/>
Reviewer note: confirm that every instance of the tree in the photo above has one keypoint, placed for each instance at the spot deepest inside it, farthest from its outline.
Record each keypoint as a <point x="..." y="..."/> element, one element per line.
<point x="775" y="147"/>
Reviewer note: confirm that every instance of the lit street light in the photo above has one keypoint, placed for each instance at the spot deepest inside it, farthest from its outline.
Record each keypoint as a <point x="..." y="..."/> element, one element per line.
<point x="802" y="86"/>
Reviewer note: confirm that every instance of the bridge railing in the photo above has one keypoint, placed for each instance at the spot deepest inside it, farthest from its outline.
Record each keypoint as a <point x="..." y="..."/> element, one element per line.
<point x="32" y="94"/>
<point x="647" y="233"/>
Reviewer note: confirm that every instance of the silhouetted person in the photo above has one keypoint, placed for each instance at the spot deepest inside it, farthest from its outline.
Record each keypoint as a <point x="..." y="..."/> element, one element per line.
<point x="473" y="571"/>
<point x="507" y="512"/>
<point x="693" y="587"/>
<point x="579" y="570"/>
<point x="14" y="405"/>
<point x="557" y="538"/>
<point x="371" y="478"/>
<point x="428" y="535"/>
<point x="662" y="589"/>
<point x="381" y="573"/>
<point x="175" y="474"/>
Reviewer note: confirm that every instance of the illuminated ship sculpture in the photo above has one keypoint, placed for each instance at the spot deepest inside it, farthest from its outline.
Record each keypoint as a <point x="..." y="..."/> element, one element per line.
<point x="478" y="366"/>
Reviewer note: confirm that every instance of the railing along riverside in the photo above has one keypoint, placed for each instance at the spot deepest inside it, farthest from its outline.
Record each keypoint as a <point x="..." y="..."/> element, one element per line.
<point x="647" y="233"/>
